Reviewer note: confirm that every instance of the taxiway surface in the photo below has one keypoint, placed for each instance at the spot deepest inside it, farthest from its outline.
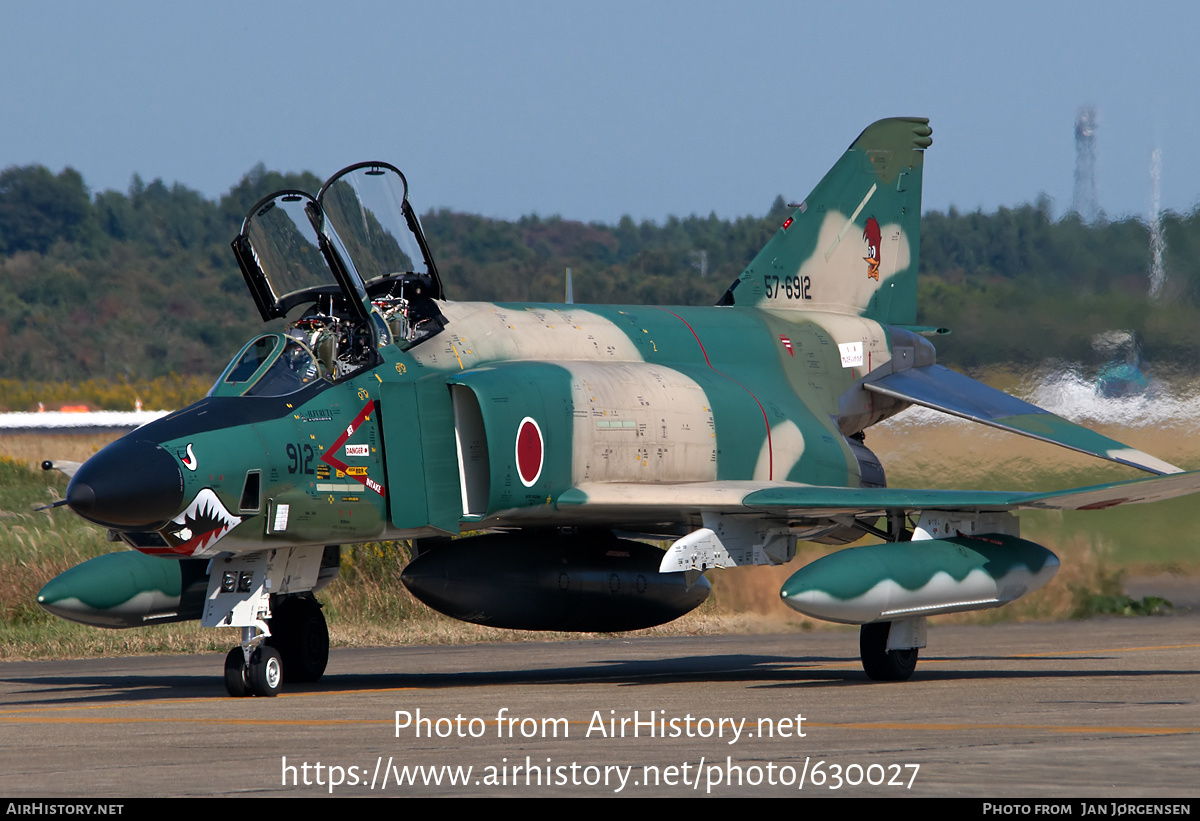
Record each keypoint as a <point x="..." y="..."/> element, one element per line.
<point x="1100" y="708"/>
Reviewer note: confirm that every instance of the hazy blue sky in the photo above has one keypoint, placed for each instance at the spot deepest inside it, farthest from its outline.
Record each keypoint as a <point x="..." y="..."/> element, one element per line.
<point x="598" y="109"/>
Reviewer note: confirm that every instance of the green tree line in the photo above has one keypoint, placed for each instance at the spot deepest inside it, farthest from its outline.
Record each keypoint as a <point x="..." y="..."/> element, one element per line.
<point x="142" y="284"/>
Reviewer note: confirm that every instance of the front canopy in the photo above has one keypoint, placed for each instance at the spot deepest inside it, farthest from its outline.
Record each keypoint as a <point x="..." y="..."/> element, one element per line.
<point x="358" y="239"/>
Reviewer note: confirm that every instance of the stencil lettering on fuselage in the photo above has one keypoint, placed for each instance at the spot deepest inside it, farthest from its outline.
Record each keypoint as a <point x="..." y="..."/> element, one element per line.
<point x="637" y="422"/>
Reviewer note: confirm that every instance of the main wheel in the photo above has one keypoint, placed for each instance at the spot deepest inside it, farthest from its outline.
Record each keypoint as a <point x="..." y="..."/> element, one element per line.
<point x="880" y="663"/>
<point x="235" y="673"/>
<point x="300" y="634"/>
<point x="265" y="673"/>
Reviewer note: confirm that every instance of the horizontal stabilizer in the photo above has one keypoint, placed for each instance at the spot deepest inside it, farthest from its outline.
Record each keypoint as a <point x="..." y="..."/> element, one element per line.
<point x="939" y="388"/>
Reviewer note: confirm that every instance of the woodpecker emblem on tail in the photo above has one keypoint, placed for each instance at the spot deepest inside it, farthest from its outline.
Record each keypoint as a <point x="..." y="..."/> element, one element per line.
<point x="872" y="237"/>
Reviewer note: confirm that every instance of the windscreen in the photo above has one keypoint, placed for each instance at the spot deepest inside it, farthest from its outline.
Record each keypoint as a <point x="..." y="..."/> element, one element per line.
<point x="271" y="365"/>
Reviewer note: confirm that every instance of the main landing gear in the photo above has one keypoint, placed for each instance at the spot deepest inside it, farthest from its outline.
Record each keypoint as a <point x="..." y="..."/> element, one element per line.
<point x="298" y="649"/>
<point x="905" y="637"/>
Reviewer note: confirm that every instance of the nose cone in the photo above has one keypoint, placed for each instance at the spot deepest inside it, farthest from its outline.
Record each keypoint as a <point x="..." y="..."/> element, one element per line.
<point x="130" y="485"/>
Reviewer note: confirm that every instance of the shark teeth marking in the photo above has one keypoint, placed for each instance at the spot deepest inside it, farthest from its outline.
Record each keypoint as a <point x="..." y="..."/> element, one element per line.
<point x="208" y="519"/>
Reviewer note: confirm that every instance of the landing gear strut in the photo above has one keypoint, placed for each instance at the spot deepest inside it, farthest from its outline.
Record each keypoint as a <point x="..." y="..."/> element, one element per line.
<point x="880" y="663"/>
<point x="298" y="644"/>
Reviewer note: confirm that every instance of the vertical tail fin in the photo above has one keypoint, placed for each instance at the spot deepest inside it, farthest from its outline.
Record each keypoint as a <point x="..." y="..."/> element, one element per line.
<point x="853" y="245"/>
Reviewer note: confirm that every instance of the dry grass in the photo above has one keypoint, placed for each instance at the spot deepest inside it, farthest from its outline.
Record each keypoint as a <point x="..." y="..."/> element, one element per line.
<point x="959" y="454"/>
<point x="34" y="448"/>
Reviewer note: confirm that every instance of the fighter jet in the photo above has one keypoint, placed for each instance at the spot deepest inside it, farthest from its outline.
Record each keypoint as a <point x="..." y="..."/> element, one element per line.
<point x="568" y="439"/>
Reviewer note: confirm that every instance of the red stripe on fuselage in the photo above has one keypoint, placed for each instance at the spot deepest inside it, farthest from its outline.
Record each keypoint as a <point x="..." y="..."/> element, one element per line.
<point x="766" y="422"/>
<point x="328" y="458"/>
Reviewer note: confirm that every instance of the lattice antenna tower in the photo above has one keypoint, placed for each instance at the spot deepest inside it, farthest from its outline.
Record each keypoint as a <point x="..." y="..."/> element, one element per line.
<point x="1158" y="243"/>
<point x="1085" y="203"/>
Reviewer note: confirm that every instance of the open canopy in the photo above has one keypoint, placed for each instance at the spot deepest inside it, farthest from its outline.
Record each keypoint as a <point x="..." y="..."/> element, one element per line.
<point x="359" y="239"/>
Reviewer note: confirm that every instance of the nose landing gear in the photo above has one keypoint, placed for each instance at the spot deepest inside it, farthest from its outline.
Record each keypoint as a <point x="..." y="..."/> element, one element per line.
<point x="262" y="675"/>
<point x="298" y="644"/>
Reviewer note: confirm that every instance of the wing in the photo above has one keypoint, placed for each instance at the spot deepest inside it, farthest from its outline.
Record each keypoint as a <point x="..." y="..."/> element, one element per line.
<point x="746" y="523"/>
<point x="647" y="503"/>
<point x="939" y="388"/>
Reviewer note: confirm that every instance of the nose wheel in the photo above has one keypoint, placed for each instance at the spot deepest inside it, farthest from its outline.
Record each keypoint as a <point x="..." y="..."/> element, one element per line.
<point x="262" y="675"/>
<point x="265" y="673"/>
<point x="235" y="673"/>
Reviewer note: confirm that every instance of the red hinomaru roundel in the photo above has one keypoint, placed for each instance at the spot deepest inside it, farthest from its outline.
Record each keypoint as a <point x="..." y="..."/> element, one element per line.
<point x="530" y="451"/>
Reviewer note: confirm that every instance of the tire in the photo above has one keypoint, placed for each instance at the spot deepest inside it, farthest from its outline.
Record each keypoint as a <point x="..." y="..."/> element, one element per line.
<point x="300" y="634"/>
<point x="879" y="663"/>
<point x="235" y="673"/>
<point x="265" y="674"/>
